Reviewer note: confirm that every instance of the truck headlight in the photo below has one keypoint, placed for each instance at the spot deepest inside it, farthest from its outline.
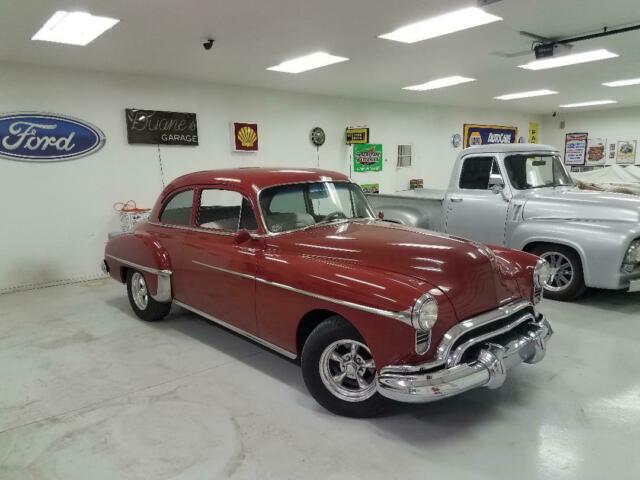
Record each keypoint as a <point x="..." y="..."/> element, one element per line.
<point x="542" y="273"/>
<point x="633" y="254"/>
<point x="425" y="312"/>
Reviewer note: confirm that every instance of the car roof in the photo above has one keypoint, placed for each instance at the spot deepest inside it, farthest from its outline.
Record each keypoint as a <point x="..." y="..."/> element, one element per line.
<point x="509" y="148"/>
<point x="255" y="178"/>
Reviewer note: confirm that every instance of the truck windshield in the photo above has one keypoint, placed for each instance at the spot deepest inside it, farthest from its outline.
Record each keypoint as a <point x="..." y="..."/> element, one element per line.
<point x="536" y="171"/>
<point x="291" y="207"/>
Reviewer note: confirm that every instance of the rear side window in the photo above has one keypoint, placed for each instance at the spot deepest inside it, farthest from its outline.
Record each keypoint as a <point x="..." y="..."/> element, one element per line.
<point x="476" y="172"/>
<point x="225" y="210"/>
<point x="178" y="209"/>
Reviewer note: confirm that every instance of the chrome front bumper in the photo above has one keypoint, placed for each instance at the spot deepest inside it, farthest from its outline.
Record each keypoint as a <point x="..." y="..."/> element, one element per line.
<point x="488" y="368"/>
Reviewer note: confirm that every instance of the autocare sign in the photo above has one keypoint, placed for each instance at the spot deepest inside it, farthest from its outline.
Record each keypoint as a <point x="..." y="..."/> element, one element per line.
<point x="475" y="135"/>
<point x="367" y="157"/>
<point x="47" y="137"/>
<point x="155" y="127"/>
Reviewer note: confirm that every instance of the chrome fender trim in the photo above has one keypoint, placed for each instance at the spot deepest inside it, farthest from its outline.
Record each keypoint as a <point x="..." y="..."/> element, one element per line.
<point x="163" y="292"/>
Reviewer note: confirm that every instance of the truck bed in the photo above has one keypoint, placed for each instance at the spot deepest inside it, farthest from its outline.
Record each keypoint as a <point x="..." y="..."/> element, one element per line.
<point x="420" y="208"/>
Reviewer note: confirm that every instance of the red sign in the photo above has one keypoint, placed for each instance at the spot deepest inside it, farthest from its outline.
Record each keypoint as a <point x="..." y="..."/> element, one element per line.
<point x="245" y="137"/>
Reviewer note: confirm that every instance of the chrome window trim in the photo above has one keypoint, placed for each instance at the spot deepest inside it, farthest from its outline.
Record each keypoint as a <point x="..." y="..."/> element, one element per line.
<point x="227" y="232"/>
<point x="235" y="329"/>
<point x="404" y="316"/>
<point x="269" y="233"/>
<point x="163" y="291"/>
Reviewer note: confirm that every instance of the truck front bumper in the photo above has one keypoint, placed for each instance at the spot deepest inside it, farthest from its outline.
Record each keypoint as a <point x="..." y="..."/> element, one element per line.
<point x="488" y="367"/>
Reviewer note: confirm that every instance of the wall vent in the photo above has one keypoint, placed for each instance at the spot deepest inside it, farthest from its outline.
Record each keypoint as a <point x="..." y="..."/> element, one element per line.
<point x="404" y="155"/>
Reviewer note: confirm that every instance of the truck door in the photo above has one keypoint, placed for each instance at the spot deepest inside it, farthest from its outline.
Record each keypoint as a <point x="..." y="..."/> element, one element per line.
<point x="476" y="208"/>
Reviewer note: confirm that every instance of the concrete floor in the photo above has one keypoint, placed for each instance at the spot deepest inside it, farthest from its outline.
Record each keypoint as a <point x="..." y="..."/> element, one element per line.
<point x="89" y="392"/>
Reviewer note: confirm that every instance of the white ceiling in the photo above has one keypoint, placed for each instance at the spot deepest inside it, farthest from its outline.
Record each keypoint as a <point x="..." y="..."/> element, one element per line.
<point x="164" y="37"/>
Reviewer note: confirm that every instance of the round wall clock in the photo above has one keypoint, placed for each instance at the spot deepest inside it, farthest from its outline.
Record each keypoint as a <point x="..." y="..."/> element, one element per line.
<point x="456" y="140"/>
<point x="317" y="136"/>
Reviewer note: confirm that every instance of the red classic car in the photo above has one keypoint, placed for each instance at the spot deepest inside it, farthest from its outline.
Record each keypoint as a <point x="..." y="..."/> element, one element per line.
<point x="296" y="261"/>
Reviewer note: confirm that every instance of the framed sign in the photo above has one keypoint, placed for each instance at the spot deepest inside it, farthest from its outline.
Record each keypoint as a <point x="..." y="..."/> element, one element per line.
<point x="156" y="127"/>
<point x="370" y="187"/>
<point x="245" y="136"/>
<point x="575" y="148"/>
<point x="596" y="154"/>
<point x="475" y="135"/>
<point x="359" y="135"/>
<point x="534" y="131"/>
<point x="367" y="157"/>
<point x="626" y="152"/>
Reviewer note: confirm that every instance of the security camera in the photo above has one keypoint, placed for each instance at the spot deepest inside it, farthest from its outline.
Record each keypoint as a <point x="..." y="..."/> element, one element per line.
<point x="208" y="44"/>
<point x="555" y="114"/>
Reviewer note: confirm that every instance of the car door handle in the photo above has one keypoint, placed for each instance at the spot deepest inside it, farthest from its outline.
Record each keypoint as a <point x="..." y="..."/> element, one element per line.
<point x="456" y="199"/>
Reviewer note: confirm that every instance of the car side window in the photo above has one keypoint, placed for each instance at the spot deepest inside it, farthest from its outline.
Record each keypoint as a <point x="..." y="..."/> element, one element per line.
<point x="178" y="210"/>
<point x="479" y="173"/>
<point x="225" y="210"/>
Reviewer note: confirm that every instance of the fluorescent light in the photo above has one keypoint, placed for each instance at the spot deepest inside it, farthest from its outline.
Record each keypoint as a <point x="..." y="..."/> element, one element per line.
<point x="588" y="104"/>
<point x="573" y="59"/>
<point x="441" y="25"/>
<point x="308" y="62"/>
<point x="623" y="83"/>
<point x="440" y="83"/>
<point x="532" y="93"/>
<point x="74" y="28"/>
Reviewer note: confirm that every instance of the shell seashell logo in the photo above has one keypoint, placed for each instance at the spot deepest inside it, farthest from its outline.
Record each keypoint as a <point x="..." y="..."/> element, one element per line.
<point x="247" y="136"/>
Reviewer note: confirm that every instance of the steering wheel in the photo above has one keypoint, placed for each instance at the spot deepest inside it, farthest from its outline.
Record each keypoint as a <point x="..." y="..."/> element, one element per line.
<point x="337" y="215"/>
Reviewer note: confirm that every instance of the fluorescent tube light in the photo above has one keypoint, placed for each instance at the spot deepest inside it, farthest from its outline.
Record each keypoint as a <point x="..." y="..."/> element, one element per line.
<point x="532" y="93"/>
<point x="623" y="83"/>
<point x="74" y="28"/>
<point x="308" y="62"/>
<point x="588" y="104"/>
<point x="563" y="61"/>
<point x="441" y="25"/>
<point x="440" y="83"/>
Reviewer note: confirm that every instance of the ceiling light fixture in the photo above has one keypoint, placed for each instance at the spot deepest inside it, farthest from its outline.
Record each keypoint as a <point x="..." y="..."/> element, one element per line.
<point x="74" y="28"/>
<point x="532" y="93"/>
<point x="573" y="59"/>
<point x="623" y="83"/>
<point x="440" y="83"/>
<point x="441" y="25"/>
<point x="588" y="104"/>
<point x="308" y="62"/>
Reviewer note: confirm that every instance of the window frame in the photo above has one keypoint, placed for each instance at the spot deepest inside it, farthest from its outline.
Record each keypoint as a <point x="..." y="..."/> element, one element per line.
<point x="166" y="203"/>
<point x="217" y="231"/>
<point x="473" y="157"/>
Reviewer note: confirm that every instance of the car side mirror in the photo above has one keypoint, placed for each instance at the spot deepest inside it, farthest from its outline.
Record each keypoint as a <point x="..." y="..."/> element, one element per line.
<point x="497" y="189"/>
<point x="242" y="236"/>
<point x="381" y="215"/>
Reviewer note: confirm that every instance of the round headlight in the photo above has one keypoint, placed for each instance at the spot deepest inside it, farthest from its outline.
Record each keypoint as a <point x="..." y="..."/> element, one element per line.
<point x="542" y="273"/>
<point x="633" y="254"/>
<point x="425" y="313"/>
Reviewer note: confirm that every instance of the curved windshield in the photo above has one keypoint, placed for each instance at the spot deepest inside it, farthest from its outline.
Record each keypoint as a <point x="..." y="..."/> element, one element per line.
<point x="290" y="207"/>
<point x="536" y="171"/>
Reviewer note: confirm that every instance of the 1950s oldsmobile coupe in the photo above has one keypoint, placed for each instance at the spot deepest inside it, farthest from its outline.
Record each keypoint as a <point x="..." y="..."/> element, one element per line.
<point x="296" y="261"/>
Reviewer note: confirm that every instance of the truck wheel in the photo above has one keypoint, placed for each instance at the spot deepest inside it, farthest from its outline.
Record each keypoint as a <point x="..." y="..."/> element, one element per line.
<point x="143" y="305"/>
<point x="339" y="370"/>
<point x="567" y="280"/>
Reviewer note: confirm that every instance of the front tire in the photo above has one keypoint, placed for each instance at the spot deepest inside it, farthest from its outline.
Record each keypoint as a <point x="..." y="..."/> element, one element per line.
<point x="143" y="305"/>
<point x="567" y="280"/>
<point x="339" y="371"/>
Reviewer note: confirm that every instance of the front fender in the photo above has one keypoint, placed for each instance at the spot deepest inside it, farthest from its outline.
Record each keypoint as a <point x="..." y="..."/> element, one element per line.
<point x="601" y="245"/>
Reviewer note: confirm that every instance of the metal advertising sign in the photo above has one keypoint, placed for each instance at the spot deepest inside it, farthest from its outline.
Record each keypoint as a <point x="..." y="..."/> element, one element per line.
<point x="475" y="135"/>
<point x="575" y="148"/>
<point x="357" y="135"/>
<point x="367" y="158"/>
<point x="245" y="137"/>
<point x="155" y="127"/>
<point x="47" y="137"/>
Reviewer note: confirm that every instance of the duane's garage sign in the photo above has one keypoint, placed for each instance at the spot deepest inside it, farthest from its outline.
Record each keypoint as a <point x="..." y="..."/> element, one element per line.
<point x="154" y="127"/>
<point x="47" y="137"/>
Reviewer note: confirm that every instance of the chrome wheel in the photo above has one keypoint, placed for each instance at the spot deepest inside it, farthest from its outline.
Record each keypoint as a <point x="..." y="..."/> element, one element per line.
<point x="139" y="291"/>
<point x="348" y="371"/>
<point x="561" y="271"/>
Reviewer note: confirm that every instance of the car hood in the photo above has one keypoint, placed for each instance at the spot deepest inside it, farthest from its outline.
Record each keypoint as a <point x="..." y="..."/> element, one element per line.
<point x="575" y="204"/>
<point x="468" y="273"/>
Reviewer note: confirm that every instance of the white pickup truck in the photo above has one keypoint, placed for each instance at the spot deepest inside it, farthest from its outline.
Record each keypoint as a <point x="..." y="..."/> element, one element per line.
<point x="521" y="196"/>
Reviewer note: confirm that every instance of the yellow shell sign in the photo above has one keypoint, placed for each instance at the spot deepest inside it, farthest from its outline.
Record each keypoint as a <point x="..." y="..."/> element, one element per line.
<point x="245" y="137"/>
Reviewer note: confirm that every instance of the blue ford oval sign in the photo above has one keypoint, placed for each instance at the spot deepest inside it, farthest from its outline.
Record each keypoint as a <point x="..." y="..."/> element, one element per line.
<point x="47" y="137"/>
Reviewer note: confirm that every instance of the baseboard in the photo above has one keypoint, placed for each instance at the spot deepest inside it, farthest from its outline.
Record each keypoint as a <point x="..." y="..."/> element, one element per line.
<point x="56" y="283"/>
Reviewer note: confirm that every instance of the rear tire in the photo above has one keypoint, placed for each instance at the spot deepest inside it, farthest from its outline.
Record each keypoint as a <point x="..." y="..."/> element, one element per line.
<point x="339" y="371"/>
<point x="143" y="305"/>
<point x="567" y="281"/>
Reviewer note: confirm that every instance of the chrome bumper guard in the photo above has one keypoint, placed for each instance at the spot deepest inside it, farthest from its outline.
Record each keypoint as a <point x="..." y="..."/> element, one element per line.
<point x="488" y="369"/>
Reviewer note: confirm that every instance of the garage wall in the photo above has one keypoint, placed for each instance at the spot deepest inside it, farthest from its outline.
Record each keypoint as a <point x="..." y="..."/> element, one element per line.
<point x="57" y="216"/>
<point x="613" y="124"/>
